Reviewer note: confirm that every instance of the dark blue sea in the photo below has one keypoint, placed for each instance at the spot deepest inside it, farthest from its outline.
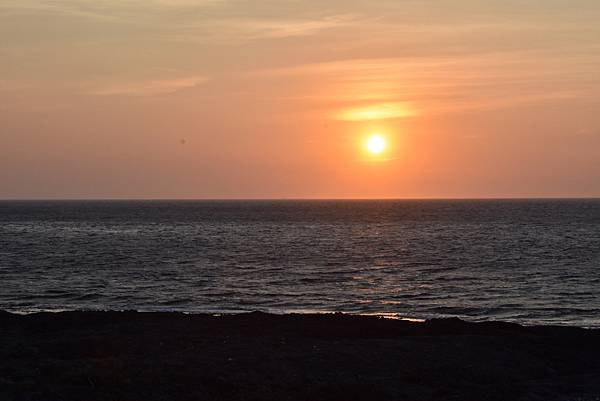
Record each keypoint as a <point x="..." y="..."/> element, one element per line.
<point x="527" y="261"/>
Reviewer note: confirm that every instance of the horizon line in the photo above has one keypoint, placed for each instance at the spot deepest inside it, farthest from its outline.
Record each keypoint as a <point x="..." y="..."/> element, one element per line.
<point x="300" y="199"/>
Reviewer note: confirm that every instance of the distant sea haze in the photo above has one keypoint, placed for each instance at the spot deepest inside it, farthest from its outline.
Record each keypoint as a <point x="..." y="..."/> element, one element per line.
<point x="527" y="261"/>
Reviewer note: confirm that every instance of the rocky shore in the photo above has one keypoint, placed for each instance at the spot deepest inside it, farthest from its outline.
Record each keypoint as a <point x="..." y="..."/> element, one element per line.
<point x="127" y="356"/>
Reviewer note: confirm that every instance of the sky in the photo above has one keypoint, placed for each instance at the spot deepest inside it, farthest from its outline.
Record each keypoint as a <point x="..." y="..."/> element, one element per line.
<point x="276" y="99"/>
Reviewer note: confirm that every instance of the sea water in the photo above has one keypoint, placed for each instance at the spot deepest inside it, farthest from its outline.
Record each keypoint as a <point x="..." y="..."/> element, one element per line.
<point x="527" y="261"/>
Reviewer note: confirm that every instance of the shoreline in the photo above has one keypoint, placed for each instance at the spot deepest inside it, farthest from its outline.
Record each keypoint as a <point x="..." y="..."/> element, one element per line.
<point x="296" y="312"/>
<point x="167" y="355"/>
<point x="383" y="315"/>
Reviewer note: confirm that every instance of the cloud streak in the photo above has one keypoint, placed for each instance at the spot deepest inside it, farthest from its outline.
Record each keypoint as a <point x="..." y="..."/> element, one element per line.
<point x="386" y="88"/>
<point x="150" y="87"/>
<point x="380" y="111"/>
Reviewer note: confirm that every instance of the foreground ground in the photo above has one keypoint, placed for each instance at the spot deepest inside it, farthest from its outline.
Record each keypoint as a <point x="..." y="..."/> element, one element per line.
<point x="127" y="356"/>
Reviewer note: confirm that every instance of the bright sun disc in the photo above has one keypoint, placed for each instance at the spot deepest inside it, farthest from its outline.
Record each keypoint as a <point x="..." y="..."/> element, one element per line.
<point x="375" y="144"/>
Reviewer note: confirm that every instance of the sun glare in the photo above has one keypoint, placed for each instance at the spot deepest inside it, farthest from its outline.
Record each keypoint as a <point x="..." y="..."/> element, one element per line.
<point x="375" y="144"/>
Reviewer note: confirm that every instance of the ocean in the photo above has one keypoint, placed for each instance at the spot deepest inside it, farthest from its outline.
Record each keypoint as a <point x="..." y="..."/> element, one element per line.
<point x="524" y="261"/>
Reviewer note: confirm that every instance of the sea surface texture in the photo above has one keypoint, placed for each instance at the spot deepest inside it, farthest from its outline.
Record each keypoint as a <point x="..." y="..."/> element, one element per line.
<point x="528" y="261"/>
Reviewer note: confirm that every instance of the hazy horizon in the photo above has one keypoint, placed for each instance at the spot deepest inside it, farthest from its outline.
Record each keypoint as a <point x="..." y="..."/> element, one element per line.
<point x="524" y="198"/>
<point x="214" y="99"/>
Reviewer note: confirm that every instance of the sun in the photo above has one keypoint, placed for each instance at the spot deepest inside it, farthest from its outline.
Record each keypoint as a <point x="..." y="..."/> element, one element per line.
<point x="375" y="144"/>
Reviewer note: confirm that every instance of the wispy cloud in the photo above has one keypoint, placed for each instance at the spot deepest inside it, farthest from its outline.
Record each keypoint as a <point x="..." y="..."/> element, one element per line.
<point x="183" y="20"/>
<point x="149" y="87"/>
<point x="379" y="111"/>
<point x="354" y="61"/>
<point x="385" y="88"/>
<point x="282" y="28"/>
<point x="101" y="9"/>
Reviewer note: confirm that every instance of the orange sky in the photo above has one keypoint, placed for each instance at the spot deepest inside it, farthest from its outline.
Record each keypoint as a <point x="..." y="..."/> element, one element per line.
<point x="275" y="99"/>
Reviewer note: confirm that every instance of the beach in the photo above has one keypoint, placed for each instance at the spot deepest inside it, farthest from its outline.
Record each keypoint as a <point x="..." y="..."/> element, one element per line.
<point x="256" y="356"/>
<point x="308" y="200"/>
